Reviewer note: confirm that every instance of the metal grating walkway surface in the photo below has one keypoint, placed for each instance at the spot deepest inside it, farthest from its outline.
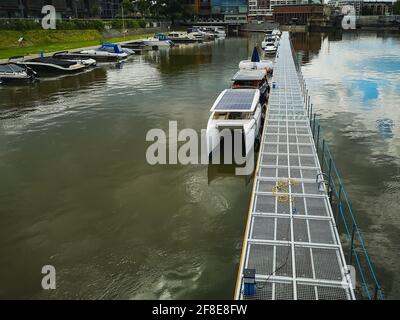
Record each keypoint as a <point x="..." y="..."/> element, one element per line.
<point x="291" y="238"/>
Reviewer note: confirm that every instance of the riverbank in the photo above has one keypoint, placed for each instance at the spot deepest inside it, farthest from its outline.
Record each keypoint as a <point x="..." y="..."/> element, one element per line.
<point x="55" y="40"/>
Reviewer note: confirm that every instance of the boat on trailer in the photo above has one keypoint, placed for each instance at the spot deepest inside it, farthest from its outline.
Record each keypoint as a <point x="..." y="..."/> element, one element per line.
<point x="12" y="73"/>
<point x="255" y="63"/>
<point x="235" y="109"/>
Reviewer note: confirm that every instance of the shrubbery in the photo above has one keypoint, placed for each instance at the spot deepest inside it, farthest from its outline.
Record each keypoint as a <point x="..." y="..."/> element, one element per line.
<point x="27" y="24"/>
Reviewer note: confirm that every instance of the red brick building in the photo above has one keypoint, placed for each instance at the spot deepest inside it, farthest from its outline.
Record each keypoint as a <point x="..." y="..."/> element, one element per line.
<point x="297" y="14"/>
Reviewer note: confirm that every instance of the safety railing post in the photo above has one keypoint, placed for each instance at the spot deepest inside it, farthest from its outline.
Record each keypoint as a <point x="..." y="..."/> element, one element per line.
<point x="339" y="205"/>
<point x="323" y="155"/>
<point x="310" y="114"/>
<point x="319" y="127"/>
<point x="313" y="129"/>
<point x="329" y="180"/>
<point x="352" y="243"/>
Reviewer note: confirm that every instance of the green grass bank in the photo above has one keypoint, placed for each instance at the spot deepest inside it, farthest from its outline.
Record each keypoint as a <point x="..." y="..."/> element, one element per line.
<point x="53" y="40"/>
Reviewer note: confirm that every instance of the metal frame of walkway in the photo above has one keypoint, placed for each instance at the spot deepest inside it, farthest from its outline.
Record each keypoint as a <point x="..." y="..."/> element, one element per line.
<point x="291" y="240"/>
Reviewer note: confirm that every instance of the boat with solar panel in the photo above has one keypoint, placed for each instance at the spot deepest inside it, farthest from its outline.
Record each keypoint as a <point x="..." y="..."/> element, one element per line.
<point x="235" y="110"/>
<point x="49" y="64"/>
<point x="12" y="73"/>
<point x="255" y="63"/>
<point x="252" y="79"/>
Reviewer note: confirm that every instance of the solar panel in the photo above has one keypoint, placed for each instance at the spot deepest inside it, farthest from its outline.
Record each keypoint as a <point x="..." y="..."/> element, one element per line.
<point x="244" y="75"/>
<point x="240" y="100"/>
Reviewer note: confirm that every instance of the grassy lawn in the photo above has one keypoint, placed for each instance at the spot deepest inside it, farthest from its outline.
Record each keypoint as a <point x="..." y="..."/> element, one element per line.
<point x="53" y="40"/>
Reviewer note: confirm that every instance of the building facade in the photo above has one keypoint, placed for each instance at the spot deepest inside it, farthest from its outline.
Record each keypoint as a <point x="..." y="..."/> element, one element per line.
<point x="230" y="11"/>
<point x="297" y="14"/>
<point x="376" y="8"/>
<point x="64" y="8"/>
<point x="259" y="10"/>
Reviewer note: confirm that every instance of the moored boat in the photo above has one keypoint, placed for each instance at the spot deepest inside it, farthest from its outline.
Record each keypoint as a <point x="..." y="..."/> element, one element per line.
<point x="182" y="37"/>
<point x="50" y="65"/>
<point x="12" y="73"/>
<point x="159" y="40"/>
<point x="107" y="52"/>
<point x="239" y="110"/>
<point x="252" y="79"/>
<point x="270" y="49"/>
<point x="256" y="64"/>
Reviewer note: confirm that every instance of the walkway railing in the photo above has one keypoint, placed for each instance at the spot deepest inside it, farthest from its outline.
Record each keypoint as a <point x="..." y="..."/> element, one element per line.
<point x="367" y="284"/>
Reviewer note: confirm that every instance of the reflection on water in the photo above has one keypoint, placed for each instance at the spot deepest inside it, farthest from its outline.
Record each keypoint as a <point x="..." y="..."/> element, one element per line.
<point x="357" y="97"/>
<point x="77" y="191"/>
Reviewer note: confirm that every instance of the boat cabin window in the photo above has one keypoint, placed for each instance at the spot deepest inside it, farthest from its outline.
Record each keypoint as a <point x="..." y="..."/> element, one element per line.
<point x="246" y="83"/>
<point x="233" y="115"/>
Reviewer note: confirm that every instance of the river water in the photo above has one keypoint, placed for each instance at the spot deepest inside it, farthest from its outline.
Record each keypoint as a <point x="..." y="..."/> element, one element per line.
<point x="77" y="192"/>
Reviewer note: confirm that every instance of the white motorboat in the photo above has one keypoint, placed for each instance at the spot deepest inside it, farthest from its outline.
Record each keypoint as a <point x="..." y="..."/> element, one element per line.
<point x="65" y="55"/>
<point x="218" y="31"/>
<point x="12" y="73"/>
<point x="159" y="40"/>
<point x="256" y="64"/>
<point x="107" y="52"/>
<point x="235" y="109"/>
<point x="269" y="39"/>
<point x="182" y="37"/>
<point x="270" y="49"/>
<point x="277" y="33"/>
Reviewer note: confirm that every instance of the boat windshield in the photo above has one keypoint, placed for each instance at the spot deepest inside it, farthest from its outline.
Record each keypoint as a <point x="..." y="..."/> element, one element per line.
<point x="233" y="115"/>
<point x="246" y="84"/>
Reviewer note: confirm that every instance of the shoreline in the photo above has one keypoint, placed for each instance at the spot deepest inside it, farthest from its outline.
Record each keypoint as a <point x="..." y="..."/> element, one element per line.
<point x="90" y="45"/>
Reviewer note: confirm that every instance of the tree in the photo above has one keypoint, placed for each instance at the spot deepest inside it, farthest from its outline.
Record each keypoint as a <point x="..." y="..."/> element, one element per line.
<point x="128" y="6"/>
<point x="396" y="7"/>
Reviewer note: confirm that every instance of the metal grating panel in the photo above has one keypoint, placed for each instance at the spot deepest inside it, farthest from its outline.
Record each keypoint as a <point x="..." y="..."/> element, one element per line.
<point x="291" y="240"/>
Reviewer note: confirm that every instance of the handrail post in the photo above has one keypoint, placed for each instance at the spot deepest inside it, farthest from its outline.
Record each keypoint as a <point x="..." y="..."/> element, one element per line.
<point x="352" y="243"/>
<point x="339" y="204"/>
<point x="323" y="155"/>
<point x="310" y="114"/>
<point x="330" y="189"/>
<point x="313" y="129"/>
<point x="319" y="127"/>
<point x="376" y="289"/>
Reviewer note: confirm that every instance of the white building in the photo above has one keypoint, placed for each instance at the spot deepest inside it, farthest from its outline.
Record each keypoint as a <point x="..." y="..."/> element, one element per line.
<point x="261" y="9"/>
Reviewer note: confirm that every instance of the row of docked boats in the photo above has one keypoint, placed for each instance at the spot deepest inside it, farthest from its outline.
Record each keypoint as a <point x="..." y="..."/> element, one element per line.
<point x="19" y="69"/>
<point x="192" y="35"/>
<point x="271" y="41"/>
<point x="241" y="107"/>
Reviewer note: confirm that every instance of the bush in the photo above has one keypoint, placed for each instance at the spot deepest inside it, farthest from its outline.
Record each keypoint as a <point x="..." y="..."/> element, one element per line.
<point x="30" y="24"/>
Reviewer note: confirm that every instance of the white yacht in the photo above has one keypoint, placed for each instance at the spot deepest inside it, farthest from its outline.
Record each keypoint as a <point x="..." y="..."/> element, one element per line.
<point x="256" y="64"/>
<point x="270" y="48"/>
<point x="159" y="40"/>
<point x="269" y="39"/>
<point x="235" y="109"/>
<point x="182" y="37"/>
<point x="277" y="33"/>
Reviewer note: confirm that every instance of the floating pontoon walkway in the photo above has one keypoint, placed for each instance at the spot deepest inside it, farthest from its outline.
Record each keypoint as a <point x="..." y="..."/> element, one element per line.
<point x="291" y="241"/>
